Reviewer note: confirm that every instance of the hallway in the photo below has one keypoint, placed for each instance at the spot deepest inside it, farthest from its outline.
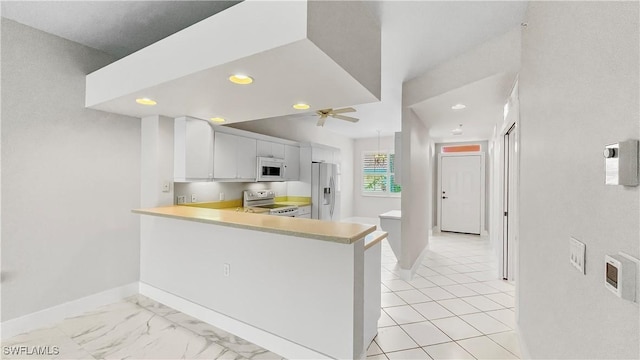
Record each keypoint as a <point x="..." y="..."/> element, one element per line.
<point x="455" y="307"/>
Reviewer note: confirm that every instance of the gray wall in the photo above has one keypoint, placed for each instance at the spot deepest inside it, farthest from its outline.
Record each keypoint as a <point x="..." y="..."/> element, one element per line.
<point x="579" y="90"/>
<point x="484" y="147"/>
<point x="70" y="177"/>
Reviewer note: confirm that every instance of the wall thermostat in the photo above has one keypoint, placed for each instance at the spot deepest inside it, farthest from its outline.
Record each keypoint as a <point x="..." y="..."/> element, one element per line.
<point x="620" y="276"/>
<point x="621" y="163"/>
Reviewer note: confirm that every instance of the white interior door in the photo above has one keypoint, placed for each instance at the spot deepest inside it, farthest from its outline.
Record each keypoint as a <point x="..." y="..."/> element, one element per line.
<point x="461" y="193"/>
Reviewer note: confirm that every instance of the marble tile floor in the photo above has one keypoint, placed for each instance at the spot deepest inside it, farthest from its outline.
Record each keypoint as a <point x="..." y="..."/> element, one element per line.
<point x="135" y="328"/>
<point x="455" y="307"/>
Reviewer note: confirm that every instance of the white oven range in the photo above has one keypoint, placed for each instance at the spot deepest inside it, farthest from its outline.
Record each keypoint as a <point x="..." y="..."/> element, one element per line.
<point x="266" y="199"/>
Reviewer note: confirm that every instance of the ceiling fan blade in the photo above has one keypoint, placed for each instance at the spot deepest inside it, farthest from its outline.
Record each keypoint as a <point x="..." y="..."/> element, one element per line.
<point x="347" y="118"/>
<point x="343" y="110"/>
<point x="321" y="121"/>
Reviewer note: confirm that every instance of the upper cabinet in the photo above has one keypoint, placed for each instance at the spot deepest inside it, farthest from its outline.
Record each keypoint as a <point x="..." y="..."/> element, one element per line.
<point x="320" y="153"/>
<point x="234" y="158"/>
<point x="208" y="153"/>
<point x="291" y="162"/>
<point x="193" y="150"/>
<point x="270" y="149"/>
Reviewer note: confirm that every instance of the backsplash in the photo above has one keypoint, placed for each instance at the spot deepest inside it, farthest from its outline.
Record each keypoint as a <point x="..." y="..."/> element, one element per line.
<point x="210" y="191"/>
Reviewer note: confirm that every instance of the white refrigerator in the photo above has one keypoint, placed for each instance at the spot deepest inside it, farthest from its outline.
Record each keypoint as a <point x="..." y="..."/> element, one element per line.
<point x="325" y="197"/>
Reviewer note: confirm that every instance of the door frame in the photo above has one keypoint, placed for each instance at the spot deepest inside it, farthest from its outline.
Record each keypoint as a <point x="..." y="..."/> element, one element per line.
<point x="509" y="184"/>
<point x="483" y="230"/>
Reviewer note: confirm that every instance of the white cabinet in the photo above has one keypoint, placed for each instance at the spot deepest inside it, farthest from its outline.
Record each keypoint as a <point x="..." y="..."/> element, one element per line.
<point x="246" y="158"/>
<point x="320" y="154"/>
<point x="193" y="150"/>
<point x="304" y="212"/>
<point x="270" y="149"/>
<point x="234" y="157"/>
<point x="291" y="162"/>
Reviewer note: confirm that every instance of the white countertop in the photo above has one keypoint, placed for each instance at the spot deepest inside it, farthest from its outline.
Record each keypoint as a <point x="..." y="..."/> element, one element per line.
<point x="393" y="214"/>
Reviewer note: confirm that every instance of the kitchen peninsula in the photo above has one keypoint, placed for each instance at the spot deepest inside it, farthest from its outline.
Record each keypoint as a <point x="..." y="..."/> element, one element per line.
<point x="302" y="288"/>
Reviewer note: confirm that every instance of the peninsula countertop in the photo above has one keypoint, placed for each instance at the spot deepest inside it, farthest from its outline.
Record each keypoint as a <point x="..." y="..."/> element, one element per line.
<point x="345" y="233"/>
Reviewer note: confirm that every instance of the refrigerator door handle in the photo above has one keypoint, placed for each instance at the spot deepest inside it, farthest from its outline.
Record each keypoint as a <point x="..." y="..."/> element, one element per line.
<point x="333" y="196"/>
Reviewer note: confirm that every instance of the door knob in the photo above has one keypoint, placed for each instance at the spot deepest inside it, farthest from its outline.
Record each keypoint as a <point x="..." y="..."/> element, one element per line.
<point x="444" y="197"/>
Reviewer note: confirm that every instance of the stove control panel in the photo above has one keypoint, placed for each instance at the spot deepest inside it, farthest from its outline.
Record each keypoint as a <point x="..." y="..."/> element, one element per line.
<point x="259" y="194"/>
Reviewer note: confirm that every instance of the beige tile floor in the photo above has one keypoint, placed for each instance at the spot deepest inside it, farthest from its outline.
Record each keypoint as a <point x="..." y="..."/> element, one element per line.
<point x="454" y="308"/>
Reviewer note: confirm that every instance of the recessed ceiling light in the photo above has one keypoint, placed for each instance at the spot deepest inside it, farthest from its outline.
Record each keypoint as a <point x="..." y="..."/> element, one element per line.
<point x="145" y="101"/>
<point x="458" y="107"/>
<point x="217" y="120"/>
<point x="301" y="106"/>
<point x="241" y="79"/>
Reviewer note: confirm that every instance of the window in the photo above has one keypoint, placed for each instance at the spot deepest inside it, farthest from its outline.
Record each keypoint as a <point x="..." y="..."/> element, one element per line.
<point x="460" y="148"/>
<point x="378" y="177"/>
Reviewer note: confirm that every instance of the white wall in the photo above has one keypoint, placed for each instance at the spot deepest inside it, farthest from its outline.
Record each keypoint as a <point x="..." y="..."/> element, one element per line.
<point x="70" y="177"/>
<point x="579" y="90"/>
<point x="417" y="154"/>
<point x="371" y="206"/>
<point x="306" y="131"/>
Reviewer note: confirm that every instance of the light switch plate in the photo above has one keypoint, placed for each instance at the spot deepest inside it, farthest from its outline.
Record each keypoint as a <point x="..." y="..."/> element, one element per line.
<point x="577" y="252"/>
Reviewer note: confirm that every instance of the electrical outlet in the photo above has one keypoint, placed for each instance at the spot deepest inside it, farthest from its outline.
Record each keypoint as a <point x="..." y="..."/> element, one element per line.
<point x="166" y="187"/>
<point x="182" y="199"/>
<point x="194" y="198"/>
<point x="226" y="269"/>
<point x="577" y="252"/>
<point x="221" y="197"/>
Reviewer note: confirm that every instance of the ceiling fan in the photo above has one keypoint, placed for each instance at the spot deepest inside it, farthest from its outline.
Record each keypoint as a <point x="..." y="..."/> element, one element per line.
<point x="323" y="114"/>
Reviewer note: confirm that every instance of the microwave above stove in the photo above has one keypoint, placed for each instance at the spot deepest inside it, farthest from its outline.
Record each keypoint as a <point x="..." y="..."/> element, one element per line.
<point x="270" y="169"/>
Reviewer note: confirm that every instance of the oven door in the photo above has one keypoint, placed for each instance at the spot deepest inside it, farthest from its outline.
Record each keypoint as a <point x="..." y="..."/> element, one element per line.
<point x="270" y="169"/>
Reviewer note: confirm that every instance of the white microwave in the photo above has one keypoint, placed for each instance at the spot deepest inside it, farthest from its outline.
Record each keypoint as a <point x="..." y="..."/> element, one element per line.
<point x="270" y="169"/>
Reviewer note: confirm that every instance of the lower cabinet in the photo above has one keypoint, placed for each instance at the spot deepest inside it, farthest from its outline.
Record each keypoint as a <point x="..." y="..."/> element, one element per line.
<point x="234" y="157"/>
<point x="304" y="212"/>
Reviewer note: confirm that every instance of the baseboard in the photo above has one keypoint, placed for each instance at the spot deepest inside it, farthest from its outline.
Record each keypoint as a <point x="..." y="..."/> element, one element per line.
<point x="524" y="350"/>
<point x="272" y="342"/>
<point x="408" y="274"/>
<point x="55" y="314"/>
